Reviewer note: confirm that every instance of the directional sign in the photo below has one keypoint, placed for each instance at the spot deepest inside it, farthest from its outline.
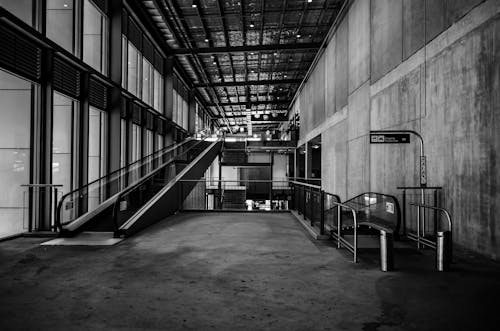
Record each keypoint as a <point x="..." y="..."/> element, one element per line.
<point x="389" y="138"/>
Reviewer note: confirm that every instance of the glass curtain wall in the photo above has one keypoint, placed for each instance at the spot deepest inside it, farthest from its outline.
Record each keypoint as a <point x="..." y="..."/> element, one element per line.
<point x="15" y="152"/>
<point x="149" y="149"/>
<point x="147" y="82"/>
<point x="97" y="155"/>
<point x="61" y="23"/>
<point x="158" y="91"/>
<point x="135" y="151"/>
<point x="23" y="9"/>
<point x="65" y="143"/>
<point x="133" y="69"/>
<point x="95" y="37"/>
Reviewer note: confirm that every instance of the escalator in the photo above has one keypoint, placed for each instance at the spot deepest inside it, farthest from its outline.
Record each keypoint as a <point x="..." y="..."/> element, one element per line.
<point x="138" y="195"/>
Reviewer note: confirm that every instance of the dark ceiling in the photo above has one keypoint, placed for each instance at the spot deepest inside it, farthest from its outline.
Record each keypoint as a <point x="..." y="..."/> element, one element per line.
<point x="246" y="57"/>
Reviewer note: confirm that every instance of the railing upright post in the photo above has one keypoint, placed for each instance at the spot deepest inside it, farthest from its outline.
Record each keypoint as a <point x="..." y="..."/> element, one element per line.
<point x="435" y="212"/>
<point x="311" y="203"/>
<point x="304" y="203"/>
<point x="404" y="212"/>
<point x="322" y="211"/>
<point x="55" y="208"/>
<point x="339" y="224"/>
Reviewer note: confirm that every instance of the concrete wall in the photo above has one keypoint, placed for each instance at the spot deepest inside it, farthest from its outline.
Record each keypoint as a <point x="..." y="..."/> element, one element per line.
<point x="432" y="66"/>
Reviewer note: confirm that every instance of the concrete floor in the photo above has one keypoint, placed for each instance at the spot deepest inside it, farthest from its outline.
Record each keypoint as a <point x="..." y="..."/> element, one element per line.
<point x="224" y="271"/>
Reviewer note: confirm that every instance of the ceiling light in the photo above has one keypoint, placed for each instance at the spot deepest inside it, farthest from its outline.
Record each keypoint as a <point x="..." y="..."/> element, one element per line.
<point x="309" y="1"/>
<point x="298" y="36"/>
<point x="242" y="129"/>
<point x="215" y="62"/>
<point x="206" y="40"/>
<point x="266" y="117"/>
<point x="251" y="25"/>
<point x="194" y="5"/>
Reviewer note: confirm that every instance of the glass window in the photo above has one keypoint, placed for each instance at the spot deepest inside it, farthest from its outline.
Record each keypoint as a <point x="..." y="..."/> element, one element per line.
<point x="64" y="142"/>
<point x="95" y="39"/>
<point x="147" y="82"/>
<point x="96" y="156"/>
<point x="123" y="142"/>
<point x="15" y="151"/>
<point x="23" y="9"/>
<point x="97" y="144"/>
<point x="135" y="154"/>
<point x="174" y="107"/>
<point x="133" y="70"/>
<point x="158" y="92"/>
<point x="159" y="142"/>
<point x="124" y="61"/>
<point x="185" y="114"/>
<point x="60" y="23"/>
<point x="149" y="149"/>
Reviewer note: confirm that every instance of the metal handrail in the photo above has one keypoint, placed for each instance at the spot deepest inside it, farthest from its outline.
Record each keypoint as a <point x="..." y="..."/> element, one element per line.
<point x="163" y="150"/>
<point x="353" y="248"/>
<point x="141" y="182"/>
<point x="444" y="211"/>
<point x="306" y="184"/>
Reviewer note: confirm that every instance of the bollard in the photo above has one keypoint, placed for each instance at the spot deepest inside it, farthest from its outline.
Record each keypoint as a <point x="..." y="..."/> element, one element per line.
<point x="386" y="251"/>
<point x="443" y="251"/>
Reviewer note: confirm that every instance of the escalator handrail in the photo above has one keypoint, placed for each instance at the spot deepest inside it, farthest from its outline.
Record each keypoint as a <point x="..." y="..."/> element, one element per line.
<point x="163" y="150"/>
<point x="142" y="181"/>
<point x="394" y="198"/>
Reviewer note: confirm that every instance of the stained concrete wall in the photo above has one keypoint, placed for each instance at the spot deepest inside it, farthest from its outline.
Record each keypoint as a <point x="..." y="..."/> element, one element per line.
<point x="432" y="66"/>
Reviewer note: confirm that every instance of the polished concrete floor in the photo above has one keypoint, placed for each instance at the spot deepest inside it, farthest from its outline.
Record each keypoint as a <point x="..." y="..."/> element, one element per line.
<point x="225" y="271"/>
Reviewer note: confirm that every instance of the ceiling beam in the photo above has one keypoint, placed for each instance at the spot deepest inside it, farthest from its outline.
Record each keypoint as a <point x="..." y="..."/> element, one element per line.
<point x="240" y="49"/>
<point x="267" y="102"/>
<point x="251" y="83"/>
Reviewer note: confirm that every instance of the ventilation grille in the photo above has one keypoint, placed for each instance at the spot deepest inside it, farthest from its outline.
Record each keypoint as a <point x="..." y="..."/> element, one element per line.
<point x="98" y="94"/>
<point x="160" y="125"/>
<point x="20" y="55"/>
<point x="136" y="114"/>
<point x="134" y="34"/>
<point x="124" y="107"/>
<point x="66" y="78"/>
<point x="158" y="63"/>
<point x="148" y="51"/>
<point x="149" y="120"/>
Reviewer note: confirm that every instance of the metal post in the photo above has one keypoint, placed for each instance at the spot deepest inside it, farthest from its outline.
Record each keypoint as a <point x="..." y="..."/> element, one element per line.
<point x="443" y="251"/>
<point x="304" y="204"/>
<point x="322" y="211"/>
<point x="435" y="211"/>
<point x="404" y="212"/>
<point x="55" y="208"/>
<point x="418" y="227"/>
<point x="386" y="251"/>
<point x="311" y="203"/>
<point x="339" y="223"/>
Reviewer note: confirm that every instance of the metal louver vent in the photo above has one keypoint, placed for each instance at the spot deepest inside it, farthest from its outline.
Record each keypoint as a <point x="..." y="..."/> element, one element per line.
<point x="158" y="63"/>
<point x="160" y="125"/>
<point x="66" y="78"/>
<point x="148" y="50"/>
<point x="134" y="34"/>
<point x="20" y="55"/>
<point x="149" y="120"/>
<point x="124" y="107"/>
<point x="136" y="114"/>
<point x="98" y="94"/>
